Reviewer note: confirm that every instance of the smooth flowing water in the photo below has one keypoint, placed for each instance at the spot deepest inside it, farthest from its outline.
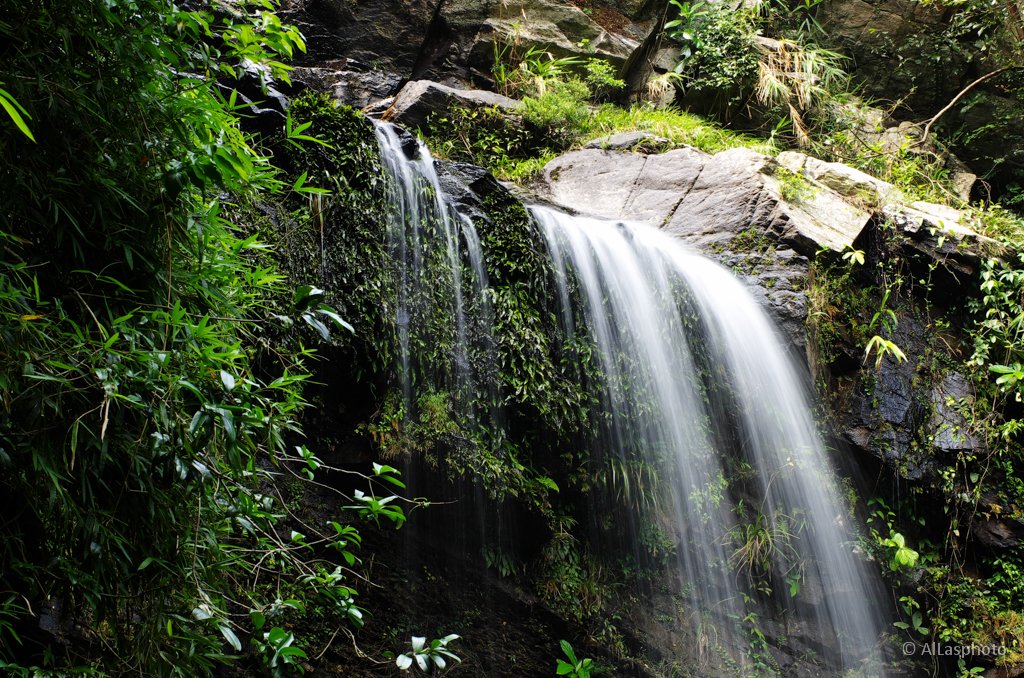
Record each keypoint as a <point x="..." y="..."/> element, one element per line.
<point x="695" y="391"/>
<point x="427" y="237"/>
<point x="697" y="384"/>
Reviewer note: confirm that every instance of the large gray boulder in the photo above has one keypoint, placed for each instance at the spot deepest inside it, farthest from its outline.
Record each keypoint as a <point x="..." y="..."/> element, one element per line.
<point x="705" y="199"/>
<point x="728" y="205"/>
<point x="415" y="102"/>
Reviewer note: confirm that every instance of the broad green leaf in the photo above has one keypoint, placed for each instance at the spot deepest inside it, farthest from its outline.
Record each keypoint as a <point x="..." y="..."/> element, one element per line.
<point x="230" y="636"/>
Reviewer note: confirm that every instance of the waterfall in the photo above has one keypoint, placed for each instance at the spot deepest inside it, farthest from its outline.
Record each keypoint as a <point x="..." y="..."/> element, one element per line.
<point x="426" y="238"/>
<point x="697" y="384"/>
<point x="700" y="411"/>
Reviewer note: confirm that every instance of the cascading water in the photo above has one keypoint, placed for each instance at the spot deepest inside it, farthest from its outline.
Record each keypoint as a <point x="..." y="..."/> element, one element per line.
<point x="697" y="385"/>
<point x="425" y="237"/>
<point x="446" y="352"/>
<point x="694" y="390"/>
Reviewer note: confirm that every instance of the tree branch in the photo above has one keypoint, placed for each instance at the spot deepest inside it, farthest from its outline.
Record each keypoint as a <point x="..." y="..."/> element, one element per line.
<point x="961" y="95"/>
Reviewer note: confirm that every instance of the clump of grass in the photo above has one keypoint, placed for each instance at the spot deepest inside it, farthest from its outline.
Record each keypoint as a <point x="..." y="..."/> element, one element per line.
<point x="670" y="123"/>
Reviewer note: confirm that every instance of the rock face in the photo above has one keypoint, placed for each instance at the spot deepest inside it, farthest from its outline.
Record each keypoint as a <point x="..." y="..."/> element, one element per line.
<point x="352" y="82"/>
<point x="729" y="205"/>
<point x="561" y="28"/>
<point x="875" y="30"/>
<point x="455" y="42"/>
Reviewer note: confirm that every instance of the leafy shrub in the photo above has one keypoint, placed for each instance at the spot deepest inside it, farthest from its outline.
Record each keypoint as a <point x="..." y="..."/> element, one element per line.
<point x="155" y="356"/>
<point x="722" y="60"/>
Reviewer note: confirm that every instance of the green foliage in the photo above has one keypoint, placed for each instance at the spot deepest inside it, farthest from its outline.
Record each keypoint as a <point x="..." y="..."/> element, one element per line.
<point x="155" y="355"/>
<point x="277" y="648"/>
<point x="762" y="541"/>
<point x="719" y="58"/>
<point x="915" y="174"/>
<point x="794" y="186"/>
<point x="15" y="111"/>
<point x="571" y="580"/>
<point x="680" y="128"/>
<point x="799" y="79"/>
<point x="686" y="24"/>
<point x="527" y="73"/>
<point x="429" y="657"/>
<point x="574" y="667"/>
<point x="600" y="78"/>
<point x="727" y="64"/>
<point x="484" y="136"/>
<point x="560" y="110"/>
<point x="902" y="556"/>
<point x="882" y="348"/>
<point x="516" y="148"/>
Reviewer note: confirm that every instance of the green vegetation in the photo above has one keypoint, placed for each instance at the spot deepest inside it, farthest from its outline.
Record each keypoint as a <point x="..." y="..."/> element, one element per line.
<point x="561" y="110"/>
<point x="574" y="668"/>
<point x="155" y="355"/>
<point x="168" y="277"/>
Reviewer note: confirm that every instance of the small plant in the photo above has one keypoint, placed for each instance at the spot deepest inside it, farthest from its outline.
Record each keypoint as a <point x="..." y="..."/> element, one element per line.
<point x="901" y="555"/>
<point x="885" y="319"/>
<point x="964" y="672"/>
<point x="277" y="648"/>
<point x="853" y="256"/>
<point x="883" y="347"/>
<point x="429" y="657"/>
<point x="912" y="609"/>
<point x="600" y="77"/>
<point x="793" y="186"/>
<point x="574" y="667"/>
<point x="763" y="542"/>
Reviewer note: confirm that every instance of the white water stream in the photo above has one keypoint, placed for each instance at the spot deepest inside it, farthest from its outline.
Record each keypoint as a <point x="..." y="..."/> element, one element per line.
<point x="695" y="386"/>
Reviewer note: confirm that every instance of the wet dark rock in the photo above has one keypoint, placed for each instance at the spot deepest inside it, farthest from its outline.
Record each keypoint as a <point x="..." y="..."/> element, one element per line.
<point x="453" y="41"/>
<point x="466" y="185"/>
<point x="872" y="30"/>
<point x="1013" y="671"/>
<point x="881" y="411"/>
<point x="259" y="92"/>
<point x="385" y="33"/>
<point x="997" y="533"/>
<point x="350" y="82"/>
<point x="949" y="428"/>
<point x="996" y="146"/>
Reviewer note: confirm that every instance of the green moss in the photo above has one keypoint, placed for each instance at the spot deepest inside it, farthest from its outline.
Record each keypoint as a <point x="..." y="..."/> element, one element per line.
<point x="679" y="128"/>
<point x="516" y="146"/>
<point x="795" y="187"/>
